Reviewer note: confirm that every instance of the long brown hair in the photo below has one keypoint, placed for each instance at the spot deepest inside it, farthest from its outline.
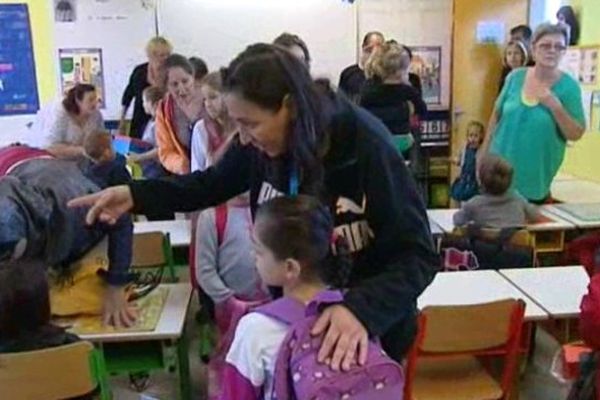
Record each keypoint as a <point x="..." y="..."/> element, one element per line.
<point x="76" y="93"/>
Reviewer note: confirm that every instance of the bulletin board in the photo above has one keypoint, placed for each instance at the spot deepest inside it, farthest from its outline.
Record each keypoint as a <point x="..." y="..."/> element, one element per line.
<point x="583" y="64"/>
<point x="18" y="85"/>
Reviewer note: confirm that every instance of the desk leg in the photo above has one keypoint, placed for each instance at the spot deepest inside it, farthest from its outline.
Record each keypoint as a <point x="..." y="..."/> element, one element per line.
<point x="101" y="370"/>
<point x="183" y="367"/>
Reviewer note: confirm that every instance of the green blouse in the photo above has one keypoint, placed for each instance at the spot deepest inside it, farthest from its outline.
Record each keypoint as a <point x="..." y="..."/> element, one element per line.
<point x="528" y="136"/>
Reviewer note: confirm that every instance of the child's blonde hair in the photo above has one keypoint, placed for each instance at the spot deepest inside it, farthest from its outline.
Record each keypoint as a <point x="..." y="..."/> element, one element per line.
<point x="387" y="60"/>
<point x="480" y="127"/>
<point x="96" y="143"/>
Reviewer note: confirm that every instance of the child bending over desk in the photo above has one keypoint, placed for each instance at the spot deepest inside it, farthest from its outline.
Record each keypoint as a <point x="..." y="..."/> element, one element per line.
<point x="25" y="309"/>
<point x="497" y="206"/>
<point x="103" y="165"/>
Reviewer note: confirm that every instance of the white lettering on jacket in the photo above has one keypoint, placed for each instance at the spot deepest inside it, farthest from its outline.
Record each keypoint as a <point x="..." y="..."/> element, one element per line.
<point x="267" y="192"/>
<point x="358" y="233"/>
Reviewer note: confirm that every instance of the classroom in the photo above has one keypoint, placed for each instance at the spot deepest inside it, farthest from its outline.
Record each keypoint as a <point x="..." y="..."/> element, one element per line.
<point x="315" y="199"/>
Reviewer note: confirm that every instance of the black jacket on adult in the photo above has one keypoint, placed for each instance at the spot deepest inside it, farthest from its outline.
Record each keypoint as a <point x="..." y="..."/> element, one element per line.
<point x="138" y="81"/>
<point x="352" y="80"/>
<point x="390" y="103"/>
<point x="374" y="201"/>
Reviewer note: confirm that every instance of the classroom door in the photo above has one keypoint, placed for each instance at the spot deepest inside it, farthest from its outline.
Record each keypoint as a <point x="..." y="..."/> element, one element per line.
<point x="476" y="66"/>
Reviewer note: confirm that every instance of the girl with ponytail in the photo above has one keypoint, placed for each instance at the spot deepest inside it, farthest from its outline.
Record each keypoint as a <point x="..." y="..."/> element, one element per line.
<point x="296" y="249"/>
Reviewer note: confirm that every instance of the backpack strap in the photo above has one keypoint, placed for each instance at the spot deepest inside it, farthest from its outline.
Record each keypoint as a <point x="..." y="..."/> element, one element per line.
<point x="221" y="223"/>
<point x="289" y="311"/>
<point x="293" y="313"/>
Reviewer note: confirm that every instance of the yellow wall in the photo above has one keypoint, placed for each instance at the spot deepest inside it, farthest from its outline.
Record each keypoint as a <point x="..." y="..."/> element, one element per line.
<point x="582" y="158"/>
<point x="40" y="15"/>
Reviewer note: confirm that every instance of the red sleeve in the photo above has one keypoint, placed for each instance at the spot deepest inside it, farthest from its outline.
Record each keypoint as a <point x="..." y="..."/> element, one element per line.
<point x="236" y="386"/>
<point x="590" y="314"/>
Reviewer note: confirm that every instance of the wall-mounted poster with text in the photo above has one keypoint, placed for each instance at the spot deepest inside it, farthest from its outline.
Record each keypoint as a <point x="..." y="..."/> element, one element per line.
<point x="82" y="66"/>
<point x="18" y="85"/>
<point x="426" y="63"/>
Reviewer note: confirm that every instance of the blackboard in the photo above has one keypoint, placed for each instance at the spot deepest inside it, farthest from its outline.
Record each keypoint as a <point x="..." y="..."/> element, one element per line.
<point x="18" y="86"/>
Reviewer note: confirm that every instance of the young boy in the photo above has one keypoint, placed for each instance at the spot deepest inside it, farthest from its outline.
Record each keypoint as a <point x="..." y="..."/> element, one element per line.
<point x="496" y="207"/>
<point x="103" y="165"/>
<point x="149" y="160"/>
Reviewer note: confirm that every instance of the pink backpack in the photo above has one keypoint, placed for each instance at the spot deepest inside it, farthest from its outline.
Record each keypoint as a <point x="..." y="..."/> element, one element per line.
<point x="298" y="375"/>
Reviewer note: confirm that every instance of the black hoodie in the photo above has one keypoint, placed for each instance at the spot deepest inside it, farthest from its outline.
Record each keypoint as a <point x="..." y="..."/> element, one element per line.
<point x="370" y="192"/>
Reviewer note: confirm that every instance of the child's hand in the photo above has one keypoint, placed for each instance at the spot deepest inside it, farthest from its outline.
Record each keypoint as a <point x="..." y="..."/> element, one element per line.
<point x="116" y="311"/>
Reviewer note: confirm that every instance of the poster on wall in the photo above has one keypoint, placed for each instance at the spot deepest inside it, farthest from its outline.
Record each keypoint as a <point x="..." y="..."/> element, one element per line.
<point x="82" y="66"/>
<point x="18" y="85"/>
<point x="426" y="63"/>
<point x="582" y="64"/>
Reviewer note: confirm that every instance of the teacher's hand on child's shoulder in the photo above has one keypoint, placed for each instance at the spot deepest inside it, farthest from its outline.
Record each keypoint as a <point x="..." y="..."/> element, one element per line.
<point x="106" y="205"/>
<point x="346" y="339"/>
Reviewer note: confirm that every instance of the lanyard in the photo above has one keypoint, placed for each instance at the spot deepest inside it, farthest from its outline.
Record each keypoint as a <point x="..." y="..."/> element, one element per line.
<point x="293" y="189"/>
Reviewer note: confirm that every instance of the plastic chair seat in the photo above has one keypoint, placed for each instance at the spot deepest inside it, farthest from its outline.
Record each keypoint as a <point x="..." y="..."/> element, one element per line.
<point x="456" y="378"/>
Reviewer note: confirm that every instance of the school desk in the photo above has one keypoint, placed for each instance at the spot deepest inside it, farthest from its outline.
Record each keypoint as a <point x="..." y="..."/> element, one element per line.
<point x="582" y="215"/>
<point x="548" y="234"/>
<point x="557" y="290"/>
<point x="179" y="230"/>
<point x="575" y="191"/>
<point x="164" y="348"/>
<point x="436" y="230"/>
<point x="474" y="287"/>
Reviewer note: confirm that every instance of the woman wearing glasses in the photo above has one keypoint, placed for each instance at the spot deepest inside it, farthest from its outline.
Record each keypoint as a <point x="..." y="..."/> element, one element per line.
<point x="537" y="112"/>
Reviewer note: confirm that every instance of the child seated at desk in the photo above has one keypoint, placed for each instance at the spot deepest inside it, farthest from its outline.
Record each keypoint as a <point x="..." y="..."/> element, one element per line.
<point x="497" y="206"/>
<point x="25" y="309"/>
<point x="103" y="165"/>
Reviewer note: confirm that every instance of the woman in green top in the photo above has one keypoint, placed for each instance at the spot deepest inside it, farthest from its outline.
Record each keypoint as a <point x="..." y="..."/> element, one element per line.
<point x="537" y="112"/>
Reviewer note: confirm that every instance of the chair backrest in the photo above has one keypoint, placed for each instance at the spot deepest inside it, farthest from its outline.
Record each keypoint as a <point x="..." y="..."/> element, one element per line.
<point x="148" y="250"/>
<point x="479" y="329"/>
<point x="522" y="237"/>
<point x="55" y="373"/>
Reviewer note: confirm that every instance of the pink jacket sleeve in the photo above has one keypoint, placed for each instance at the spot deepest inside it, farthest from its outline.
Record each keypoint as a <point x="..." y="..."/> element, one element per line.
<point x="589" y="322"/>
<point x="236" y="386"/>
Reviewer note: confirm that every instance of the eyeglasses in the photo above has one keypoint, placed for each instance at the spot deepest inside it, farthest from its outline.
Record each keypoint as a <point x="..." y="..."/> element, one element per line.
<point x="549" y="46"/>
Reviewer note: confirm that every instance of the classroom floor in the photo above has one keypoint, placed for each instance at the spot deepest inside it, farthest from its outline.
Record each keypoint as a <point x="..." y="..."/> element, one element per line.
<point x="536" y="384"/>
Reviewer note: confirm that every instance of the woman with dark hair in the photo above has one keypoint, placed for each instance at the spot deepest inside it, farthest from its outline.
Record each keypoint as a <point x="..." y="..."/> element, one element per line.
<point x="352" y="79"/>
<point x="179" y="111"/>
<point x="296" y="139"/>
<point x="144" y="75"/>
<point x="567" y="18"/>
<point x="295" y="45"/>
<point x="67" y="123"/>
